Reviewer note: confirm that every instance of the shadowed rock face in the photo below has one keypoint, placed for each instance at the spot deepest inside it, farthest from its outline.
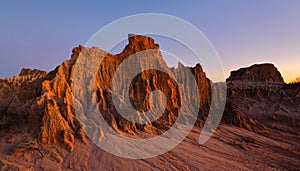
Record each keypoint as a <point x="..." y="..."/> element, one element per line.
<point x="260" y="105"/>
<point x="258" y="72"/>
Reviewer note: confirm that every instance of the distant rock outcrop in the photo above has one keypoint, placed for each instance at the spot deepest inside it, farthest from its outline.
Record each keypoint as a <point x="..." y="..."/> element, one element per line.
<point x="258" y="72"/>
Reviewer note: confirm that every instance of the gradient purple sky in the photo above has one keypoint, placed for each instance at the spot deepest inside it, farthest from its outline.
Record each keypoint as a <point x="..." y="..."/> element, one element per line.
<point x="38" y="34"/>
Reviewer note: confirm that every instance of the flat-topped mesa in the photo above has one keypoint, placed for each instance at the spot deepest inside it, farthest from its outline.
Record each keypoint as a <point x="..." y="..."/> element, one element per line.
<point x="259" y="72"/>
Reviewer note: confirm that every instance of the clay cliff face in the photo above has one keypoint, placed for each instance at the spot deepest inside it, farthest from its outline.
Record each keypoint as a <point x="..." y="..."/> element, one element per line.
<point x="257" y="72"/>
<point x="42" y="102"/>
<point x="143" y="84"/>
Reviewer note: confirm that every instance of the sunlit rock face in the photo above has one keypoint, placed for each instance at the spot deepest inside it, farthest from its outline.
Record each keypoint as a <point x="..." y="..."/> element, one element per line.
<point x="42" y="102"/>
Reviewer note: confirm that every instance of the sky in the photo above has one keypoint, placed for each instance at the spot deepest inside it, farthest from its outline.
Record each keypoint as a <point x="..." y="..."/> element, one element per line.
<point x="39" y="34"/>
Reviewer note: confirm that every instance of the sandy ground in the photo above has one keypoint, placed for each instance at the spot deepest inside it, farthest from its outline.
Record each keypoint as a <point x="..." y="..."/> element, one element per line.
<point x="230" y="148"/>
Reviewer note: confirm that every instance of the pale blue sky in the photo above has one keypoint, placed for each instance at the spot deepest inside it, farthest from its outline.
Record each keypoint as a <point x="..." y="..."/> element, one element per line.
<point x="38" y="34"/>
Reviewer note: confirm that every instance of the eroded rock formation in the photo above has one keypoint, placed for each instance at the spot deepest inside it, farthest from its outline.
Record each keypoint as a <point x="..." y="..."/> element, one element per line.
<point x="42" y="102"/>
<point x="40" y="131"/>
<point x="257" y="72"/>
